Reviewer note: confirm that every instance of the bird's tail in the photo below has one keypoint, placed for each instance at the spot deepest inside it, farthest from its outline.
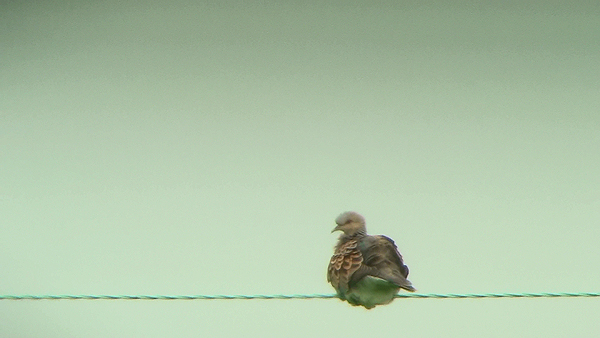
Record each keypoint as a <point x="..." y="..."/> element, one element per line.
<point x="408" y="286"/>
<point x="399" y="280"/>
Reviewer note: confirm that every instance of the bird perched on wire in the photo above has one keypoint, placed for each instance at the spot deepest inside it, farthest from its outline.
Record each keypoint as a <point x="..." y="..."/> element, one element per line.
<point x="365" y="270"/>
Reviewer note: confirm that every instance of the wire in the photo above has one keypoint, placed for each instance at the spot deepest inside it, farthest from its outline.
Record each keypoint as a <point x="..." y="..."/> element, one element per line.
<point x="309" y="296"/>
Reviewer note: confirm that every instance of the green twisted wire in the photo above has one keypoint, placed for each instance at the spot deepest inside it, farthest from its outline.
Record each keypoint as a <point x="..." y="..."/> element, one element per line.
<point x="299" y="296"/>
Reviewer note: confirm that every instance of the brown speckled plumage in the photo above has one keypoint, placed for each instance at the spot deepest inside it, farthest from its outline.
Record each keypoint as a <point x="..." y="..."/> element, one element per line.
<point x="365" y="267"/>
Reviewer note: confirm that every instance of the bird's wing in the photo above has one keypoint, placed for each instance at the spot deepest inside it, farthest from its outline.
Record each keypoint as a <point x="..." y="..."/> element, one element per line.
<point x="344" y="262"/>
<point x="382" y="259"/>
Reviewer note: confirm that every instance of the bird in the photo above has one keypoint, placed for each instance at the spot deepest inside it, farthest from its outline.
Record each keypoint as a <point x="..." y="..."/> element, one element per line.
<point x="365" y="270"/>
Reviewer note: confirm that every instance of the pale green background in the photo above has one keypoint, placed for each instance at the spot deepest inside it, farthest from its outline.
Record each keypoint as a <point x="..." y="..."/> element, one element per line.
<point x="206" y="148"/>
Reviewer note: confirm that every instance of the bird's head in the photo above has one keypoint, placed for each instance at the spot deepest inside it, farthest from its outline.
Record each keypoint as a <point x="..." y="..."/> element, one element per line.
<point x="351" y="223"/>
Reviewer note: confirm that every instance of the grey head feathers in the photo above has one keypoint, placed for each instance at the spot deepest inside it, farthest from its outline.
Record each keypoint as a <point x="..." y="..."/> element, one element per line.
<point x="350" y="223"/>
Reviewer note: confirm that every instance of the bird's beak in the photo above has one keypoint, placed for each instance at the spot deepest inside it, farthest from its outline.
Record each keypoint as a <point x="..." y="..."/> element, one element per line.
<point x="337" y="228"/>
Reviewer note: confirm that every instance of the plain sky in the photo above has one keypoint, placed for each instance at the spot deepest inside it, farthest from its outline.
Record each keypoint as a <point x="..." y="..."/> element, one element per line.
<point x="176" y="147"/>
